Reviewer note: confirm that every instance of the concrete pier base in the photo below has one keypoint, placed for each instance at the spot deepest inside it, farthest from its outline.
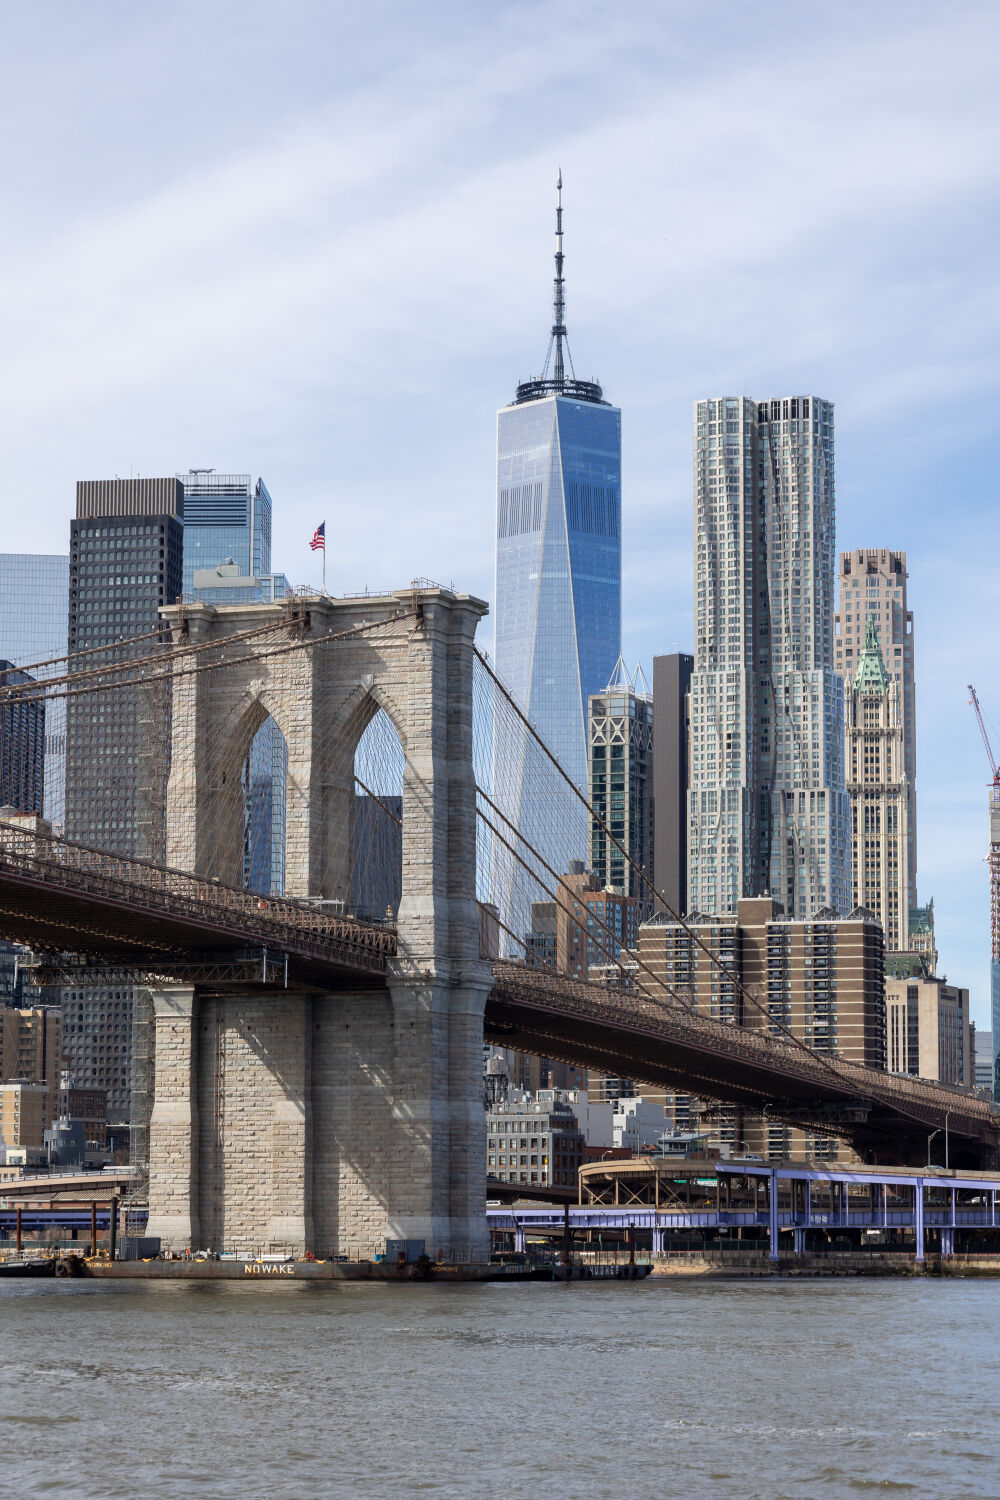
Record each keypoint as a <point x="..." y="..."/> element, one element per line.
<point x="321" y="1124"/>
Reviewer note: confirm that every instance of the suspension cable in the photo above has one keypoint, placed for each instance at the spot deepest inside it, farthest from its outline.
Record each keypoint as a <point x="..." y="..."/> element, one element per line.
<point x="692" y="932"/>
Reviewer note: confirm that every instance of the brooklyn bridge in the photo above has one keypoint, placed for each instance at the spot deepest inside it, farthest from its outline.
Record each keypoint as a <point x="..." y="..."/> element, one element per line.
<point x="315" y="1063"/>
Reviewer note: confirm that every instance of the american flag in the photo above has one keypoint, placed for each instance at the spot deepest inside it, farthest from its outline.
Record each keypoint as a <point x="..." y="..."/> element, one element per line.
<point x="318" y="543"/>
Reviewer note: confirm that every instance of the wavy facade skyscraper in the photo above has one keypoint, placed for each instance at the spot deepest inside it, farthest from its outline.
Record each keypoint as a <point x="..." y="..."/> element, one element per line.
<point x="767" y="808"/>
<point x="558" y="565"/>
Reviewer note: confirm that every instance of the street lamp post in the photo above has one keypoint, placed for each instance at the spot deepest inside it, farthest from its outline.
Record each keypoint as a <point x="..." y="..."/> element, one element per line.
<point x="929" y="1139"/>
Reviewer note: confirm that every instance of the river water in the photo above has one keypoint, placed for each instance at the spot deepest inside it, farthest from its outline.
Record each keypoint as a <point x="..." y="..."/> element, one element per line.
<point x="784" y="1390"/>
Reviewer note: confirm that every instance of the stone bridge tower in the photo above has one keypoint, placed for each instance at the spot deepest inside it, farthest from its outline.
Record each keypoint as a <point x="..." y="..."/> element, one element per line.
<point x="327" y="1122"/>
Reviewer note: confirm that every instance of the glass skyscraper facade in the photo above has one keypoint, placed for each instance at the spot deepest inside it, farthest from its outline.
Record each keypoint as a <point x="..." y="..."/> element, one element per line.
<point x="226" y="516"/>
<point x="34" y="593"/>
<point x="265" y="787"/>
<point x="558" y="564"/>
<point x="768" y="812"/>
<point x="125" y="565"/>
<point x="558" y="575"/>
<point x="22" y="743"/>
<point x="227" y="560"/>
<point x="621" y="785"/>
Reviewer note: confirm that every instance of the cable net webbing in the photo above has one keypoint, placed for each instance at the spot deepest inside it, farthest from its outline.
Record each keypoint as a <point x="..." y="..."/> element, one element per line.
<point x="127" y="706"/>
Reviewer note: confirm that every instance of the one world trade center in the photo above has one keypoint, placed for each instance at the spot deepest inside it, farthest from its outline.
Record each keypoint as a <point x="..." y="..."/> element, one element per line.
<point x="558" y="581"/>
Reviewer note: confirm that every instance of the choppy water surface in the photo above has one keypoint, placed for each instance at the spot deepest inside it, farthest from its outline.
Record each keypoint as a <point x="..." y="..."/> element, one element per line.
<point x="770" y="1389"/>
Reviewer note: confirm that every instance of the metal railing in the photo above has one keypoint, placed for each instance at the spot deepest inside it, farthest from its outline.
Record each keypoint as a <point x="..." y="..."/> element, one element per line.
<point x="274" y="921"/>
<point x="918" y="1098"/>
<point x="283" y="922"/>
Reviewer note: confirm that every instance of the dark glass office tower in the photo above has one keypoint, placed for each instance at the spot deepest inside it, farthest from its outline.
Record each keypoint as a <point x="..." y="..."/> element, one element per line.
<point x="34" y="589"/>
<point x="558" y="564"/>
<point x="671" y="729"/>
<point x="226" y="517"/>
<point x="125" y="564"/>
<point x="22" y="744"/>
<point x="621" y="785"/>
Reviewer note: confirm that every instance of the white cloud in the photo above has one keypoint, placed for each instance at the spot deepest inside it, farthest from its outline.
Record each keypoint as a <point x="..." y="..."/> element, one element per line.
<point x="320" y="249"/>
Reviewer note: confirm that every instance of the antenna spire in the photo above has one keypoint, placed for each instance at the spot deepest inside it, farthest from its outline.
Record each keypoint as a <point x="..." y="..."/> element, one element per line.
<point x="563" y="380"/>
<point x="559" y="297"/>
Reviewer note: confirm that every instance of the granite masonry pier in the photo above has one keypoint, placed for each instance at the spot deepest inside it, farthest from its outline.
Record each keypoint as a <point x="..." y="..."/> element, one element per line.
<point x="320" y="1123"/>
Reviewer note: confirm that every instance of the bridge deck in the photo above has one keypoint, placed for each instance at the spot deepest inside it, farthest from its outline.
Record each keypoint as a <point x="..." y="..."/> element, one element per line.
<point x="632" y="1036"/>
<point x="56" y="896"/>
<point x="59" y="897"/>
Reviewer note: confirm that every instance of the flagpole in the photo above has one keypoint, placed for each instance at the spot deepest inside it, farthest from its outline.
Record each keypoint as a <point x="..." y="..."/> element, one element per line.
<point x="324" y="557"/>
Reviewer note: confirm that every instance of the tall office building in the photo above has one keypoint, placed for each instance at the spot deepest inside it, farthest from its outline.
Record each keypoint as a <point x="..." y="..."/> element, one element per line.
<point x="621" y="786"/>
<point x="125" y="564"/>
<point x="377" y="832"/>
<point x="34" y="592"/>
<point x="11" y="974"/>
<point x="877" y="788"/>
<point x="982" y="1061"/>
<point x="22" y="742"/>
<point x="558" y="569"/>
<point x="929" y="1031"/>
<point x="767" y="805"/>
<point x="671" y="733"/>
<point x="34" y="589"/>
<point x="227" y="517"/>
<point x="873" y="587"/>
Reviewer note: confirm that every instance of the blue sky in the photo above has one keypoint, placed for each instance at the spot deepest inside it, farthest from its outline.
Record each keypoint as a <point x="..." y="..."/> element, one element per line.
<point x="315" y="242"/>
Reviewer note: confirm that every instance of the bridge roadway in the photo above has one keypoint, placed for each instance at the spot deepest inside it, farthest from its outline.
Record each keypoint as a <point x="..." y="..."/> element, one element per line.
<point x="783" y="1198"/>
<point x="121" y="914"/>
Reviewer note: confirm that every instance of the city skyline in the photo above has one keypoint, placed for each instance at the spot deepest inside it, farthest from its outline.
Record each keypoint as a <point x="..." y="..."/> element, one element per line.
<point x="314" y="335"/>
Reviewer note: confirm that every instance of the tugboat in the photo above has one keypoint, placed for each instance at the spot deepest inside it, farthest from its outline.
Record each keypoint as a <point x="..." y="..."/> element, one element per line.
<point x="29" y="1266"/>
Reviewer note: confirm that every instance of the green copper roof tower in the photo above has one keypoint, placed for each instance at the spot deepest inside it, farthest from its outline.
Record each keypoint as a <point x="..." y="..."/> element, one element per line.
<point x="871" y="676"/>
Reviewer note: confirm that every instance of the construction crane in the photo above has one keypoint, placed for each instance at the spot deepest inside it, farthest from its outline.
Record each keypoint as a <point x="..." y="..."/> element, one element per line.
<point x="994" y="863"/>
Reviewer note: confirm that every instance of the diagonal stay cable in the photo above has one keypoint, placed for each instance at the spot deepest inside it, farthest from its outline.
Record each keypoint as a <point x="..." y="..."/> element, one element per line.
<point x="173" y="650"/>
<point x="660" y="983"/>
<point x="717" y="963"/>
<point x="870" y="1078"/>
<point x="536" y="878"/>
